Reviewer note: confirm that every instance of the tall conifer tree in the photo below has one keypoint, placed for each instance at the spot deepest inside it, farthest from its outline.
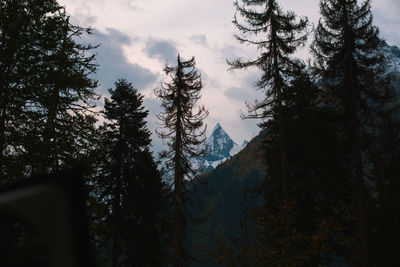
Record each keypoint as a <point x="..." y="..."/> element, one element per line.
<point x="280" y="36"/>
<point x="318" y="183"/>
<point x="276" y="35"/>
<point x="129" y="182"/>
<point x="45" y="88"/>
<point x="346" y="49"/>
<point x="20" y="33"/>
<point x="185" y="134"/>
<point x="64" y="120"/>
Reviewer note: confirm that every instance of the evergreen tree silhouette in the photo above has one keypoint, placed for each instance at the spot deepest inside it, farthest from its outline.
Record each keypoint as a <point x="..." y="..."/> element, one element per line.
<point x="319" y="182"/>
<point x="280" y="35"/>
<point x="346" y="49"/>
<point x="46" y="89"/>
<point x="129" y="182"/>
<point x="20" y="32"/>
<point x="277" y="35"/>
<point x="65" y="97"/>
<point x="184" y="132"/>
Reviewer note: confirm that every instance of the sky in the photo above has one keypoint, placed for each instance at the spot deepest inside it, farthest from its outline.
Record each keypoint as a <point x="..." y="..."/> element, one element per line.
<point x="138" y="37"/>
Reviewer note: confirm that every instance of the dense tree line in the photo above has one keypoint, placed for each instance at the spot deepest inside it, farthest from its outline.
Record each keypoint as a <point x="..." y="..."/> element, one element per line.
<point x="48" y="123"/>
<point x="329" y="126"/>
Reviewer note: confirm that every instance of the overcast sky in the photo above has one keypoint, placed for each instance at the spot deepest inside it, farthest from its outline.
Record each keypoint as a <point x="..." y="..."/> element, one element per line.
<point x="139" y="36"/>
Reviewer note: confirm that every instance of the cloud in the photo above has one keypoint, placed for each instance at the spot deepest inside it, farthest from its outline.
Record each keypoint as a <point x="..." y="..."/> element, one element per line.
<point x="237" y="93"/>
<point x="203" y="29"/>
<point x="246" y="90"/>
<point x="161" y="49"/>
<point x="153" y="105"/>
<point x="200" y="39"/>
<point x="386" y="16"/>
<point x="91" y="20"/>
<point x="113" y="64"/>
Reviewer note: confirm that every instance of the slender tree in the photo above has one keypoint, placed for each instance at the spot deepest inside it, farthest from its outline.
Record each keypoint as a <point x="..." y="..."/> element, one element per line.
<point x="280" y="36"/>
<point x="276" y="35"/>
<point x="129" y="182"/>
<point x="183" y="128"/>
<point x="346" y="49"/>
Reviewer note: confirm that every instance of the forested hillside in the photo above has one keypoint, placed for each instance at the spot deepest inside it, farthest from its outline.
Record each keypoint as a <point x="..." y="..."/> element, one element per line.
<point x="318" y="186"/>
<point x="227" y="197"/>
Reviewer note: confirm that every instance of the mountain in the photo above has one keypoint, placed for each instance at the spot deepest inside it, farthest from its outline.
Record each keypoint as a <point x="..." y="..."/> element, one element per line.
<point x="392" y="66"/>
<point x="228" y="191"/>
<point x="220" y="147"/>
<point x="392" y="58"/>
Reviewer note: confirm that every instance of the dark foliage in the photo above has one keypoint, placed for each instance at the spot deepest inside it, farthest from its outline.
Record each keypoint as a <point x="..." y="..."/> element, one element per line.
<point x="46" y="89"/>
<point x="281" y="35"/>
<point x="129" y="183"/>
<point x="20" y="30"/>
<point x="346" y="49"/>
<point x="319" y="186"/>
<point x="65" y="121"/>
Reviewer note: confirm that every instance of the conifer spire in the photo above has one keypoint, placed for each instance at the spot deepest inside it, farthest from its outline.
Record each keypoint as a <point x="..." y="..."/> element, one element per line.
<point x="346" y="49"/>
<point x="280" y="35"/>
<point x="183" y="128"/>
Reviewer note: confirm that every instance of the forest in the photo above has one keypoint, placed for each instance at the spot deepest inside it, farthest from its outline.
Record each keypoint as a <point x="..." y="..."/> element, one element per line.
<point x="324" y="168"/>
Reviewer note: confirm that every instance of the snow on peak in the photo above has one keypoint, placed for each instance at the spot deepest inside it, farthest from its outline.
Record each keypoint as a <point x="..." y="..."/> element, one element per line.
<point x="220" y="147"/>
<point x="245" y="142"/>
<point x="392" y="57"/>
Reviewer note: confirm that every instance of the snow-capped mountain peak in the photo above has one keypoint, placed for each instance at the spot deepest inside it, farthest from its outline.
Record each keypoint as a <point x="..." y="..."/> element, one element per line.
<point x="220" y="147"/>
<point x="219" y="144"/>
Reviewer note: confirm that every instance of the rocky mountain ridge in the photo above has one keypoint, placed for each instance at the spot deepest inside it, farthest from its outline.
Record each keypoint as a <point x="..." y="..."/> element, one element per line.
<point x="220" y="147"/>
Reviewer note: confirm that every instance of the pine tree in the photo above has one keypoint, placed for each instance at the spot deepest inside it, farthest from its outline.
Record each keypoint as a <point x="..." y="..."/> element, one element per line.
<point x="20" y="33"/>
<point x="46" y="89"/>
<point x="281" y="36"/>
<point x="129" y="182"/>
<point x="346" y="49"/>
<point x="63" y="109"/>
<point x="40" y="58"/>
<point x="319" y="185"/>
<point x="185" y="134"/>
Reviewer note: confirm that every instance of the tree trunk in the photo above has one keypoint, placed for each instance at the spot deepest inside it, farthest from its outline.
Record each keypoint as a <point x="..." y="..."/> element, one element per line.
<point x="117" y="232"/>
<point x="178" y="194"/>
<point x="50" y="155"/>
<point x="4" y="102"/>
<point x="178" y="221"/>
<point x="2" y="136"/>
<point x="281" y="119"/>
<point x="357" y="154"/>
<point x="282" y="144"/>
<point x="283" y="153"/>
<point x="361" y="196"/>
